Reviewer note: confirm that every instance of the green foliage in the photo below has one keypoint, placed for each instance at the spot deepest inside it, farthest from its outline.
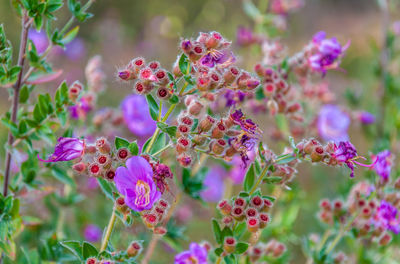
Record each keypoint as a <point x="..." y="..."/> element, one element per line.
<point x="193" y="185"/>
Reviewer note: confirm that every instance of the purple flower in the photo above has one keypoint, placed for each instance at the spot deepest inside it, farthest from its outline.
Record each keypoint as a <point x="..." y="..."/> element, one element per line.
<point x="234" y="97"/>
<point x="196" y="254"/>
<point x="17" y="159"/>
<point x="345" y="153"/>
<point x="244" y="36"/>
<point x="333" y="123"/>
<point x="214" y="184"/>
<point x="239" y="168"/>
<point x="160" y="173"/>
<point x="138" y="121"/>
<point x="383" y="164"/>
<point x="81" y="108"/>
<point x="75" y="49"/>
<point x="328" y="52"/>
<point x="222" y="58"/>
<point x="366" y="118"/>
<point x="39" y="39"/>
<point x="387" y="217"/>
<point x="135" y="182"/>
<point x="92" y="233"/>
<point x="66" y="149"/>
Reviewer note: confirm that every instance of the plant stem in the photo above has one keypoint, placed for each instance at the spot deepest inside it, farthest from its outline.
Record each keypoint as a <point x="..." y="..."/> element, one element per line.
<point x="110" y="227"/>
<point x="163" y="149"/>
<point x="259" y="180"/>
<point x="15" y="99"/>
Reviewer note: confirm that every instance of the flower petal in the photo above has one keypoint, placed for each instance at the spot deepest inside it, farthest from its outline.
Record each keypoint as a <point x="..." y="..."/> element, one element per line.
<point x="140" y="167"/>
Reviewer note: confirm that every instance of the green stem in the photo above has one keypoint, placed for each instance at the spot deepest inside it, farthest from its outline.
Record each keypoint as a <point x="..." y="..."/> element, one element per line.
<point x="110" y="227"/>
<point x="163" y="149"/>
<point x="259" y="180"/>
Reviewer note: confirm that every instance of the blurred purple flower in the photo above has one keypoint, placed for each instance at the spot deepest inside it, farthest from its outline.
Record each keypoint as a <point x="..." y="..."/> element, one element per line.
<point x="92" y="183"/>
<point x="39" y="39"/>
<point x="387" y="217"/>
<point x="383" y="164"/>
<point x="75" y="49"/>
<point x="135" y="182"/>
<point x="234" y="97"/>
<point x="283" y="7"/>
<point x="238" y="171"/>
<point x="328" y="52"/>
<point x="244" y="36"/>
<point x="214" y="185"/>
<point x="396" y="27"/>
<point x="92" y="233"/>
<point x="138" y="120"/>
<point x="66" y="149"/>
<point x="17" y="159"/>
<point x="333" y="123"/>
<point x="366" y="118"/>
<point x="196" y="254"/>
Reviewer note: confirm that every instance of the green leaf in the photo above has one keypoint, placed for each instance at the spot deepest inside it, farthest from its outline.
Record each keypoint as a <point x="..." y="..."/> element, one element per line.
<point x="24" y="94"/>
<point x="70" y="35"/>
<point x="183" y="64"/>
<point x="88" y="250"/>
<point x="241" y="247"/>
<point x="272" y="179"/>
<point x="218" y="251"/>
<point x="121" y="143"/>
<point x="239" y="230"/>
<point x="226" y="232"/>
<point x="73" y="246"/>
<point x="153" y="107"/>
<point x="37" y="114"/>
<point x="106" y="187"/>
<point x="133" y="148"/>
<point x="244" y="194"/>
<point x="62" y="176"/>
<point x="250" y="179"/>
<point x="217" y="231"/>
<point x="286" y="158"/>
<point x="174" y="99"/>
<point x="271" y="198"/>
<point x="170" y="130"/>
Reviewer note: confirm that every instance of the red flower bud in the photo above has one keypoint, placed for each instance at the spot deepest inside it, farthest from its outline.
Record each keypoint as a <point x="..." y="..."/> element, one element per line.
<point x="240" y="202"/>
<point x="94" y="169"/>
<point x="133" y="249"/>
<point x="123" y="154"/>
<point x="253" y="224"/>
<point x="229" y="244"/>
<point x="79" y="167"/>
<point x="219" y="130"/>
<point x="103" y="145"/>
<point x="264" y="220"/>
<point x="224" y="207"/>
<point x="238" y="213"/>
<point x="206" y="124"/>
<point x="257" y="202"/>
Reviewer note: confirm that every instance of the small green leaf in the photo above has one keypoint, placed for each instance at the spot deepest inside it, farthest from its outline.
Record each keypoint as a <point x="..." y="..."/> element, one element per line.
<point x="272" y="179"/>
<point x="183" y="64"/>
<point x="133" y="148"/>
<point x="174" y="99"/>
<point x="70" y="35"/>
<point x="250" y="179"/>
<point x="217" y="231"/>
<point x="239" y="230"/>
<point x="153" y="107"/>
<point x="286" y="158"/>
<point x="241" y="247"/>
<point x="106" y="187"/>
<point x="73" y="246"/>
<point x="62" y="176"/>
<point x="218" y="251"/>
<point x="24" y="94"/>
<point x="121" y="143"/>
<point x="88" y="250"/>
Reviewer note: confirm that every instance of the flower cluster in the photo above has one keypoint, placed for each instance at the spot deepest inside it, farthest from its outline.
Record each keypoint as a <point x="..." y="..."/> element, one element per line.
<point x="272" y="248"/>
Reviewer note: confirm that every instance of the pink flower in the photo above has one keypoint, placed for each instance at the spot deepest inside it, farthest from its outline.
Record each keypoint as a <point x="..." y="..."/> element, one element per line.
<point x="66" y="149"/>
<point x="135" y="182"/>
<point x="196" y="254"/>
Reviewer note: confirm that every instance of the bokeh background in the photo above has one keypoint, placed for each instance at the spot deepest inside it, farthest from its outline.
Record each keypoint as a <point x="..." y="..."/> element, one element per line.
<point x="123" y="29"/>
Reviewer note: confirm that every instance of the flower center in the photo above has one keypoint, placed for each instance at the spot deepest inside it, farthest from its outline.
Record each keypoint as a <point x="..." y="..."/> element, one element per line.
<point x="142" y="193"/>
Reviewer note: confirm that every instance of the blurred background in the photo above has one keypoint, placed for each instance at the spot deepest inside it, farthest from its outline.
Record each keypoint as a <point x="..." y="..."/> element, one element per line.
<point x="124" y="29"/>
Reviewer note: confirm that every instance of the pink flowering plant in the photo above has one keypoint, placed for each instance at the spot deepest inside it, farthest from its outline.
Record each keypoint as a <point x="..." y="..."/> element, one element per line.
<point x="192" y="139"/>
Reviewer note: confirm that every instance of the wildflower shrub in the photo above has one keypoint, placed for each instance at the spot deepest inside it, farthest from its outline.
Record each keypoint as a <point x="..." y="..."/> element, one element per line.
<point x="199" y="111"/>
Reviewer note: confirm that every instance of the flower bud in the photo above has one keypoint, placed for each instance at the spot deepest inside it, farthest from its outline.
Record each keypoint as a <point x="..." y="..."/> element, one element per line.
<point x="385" y="239"/>
<point x="121" y="206"/>
<point x="240" y="202"/>
<point x="230" y="152"/>
<point x="162" y="77"/>
<point x="183" y="130"/>
<point x="186" y="46"/>
<point x="197" y="52"/>
<point x="214" y="40"/>
<point x="139" y="88"/>
<point x="264" y="219"/>
<point x="186" y="120"/>
<point x="160" y="230"/>
<point x="206" y="124"/>
<point x="215" y="81"/>
<point x="293" y="108"/>
<point x="251" y="212"/>
<point x="163" y="203"/>
<point x="91" y="261"/>
<point x="231" y="74"/>
<point x="160" y="212"/>
<point x="94" y="169"/>
<point x="137" y="63"/>
<point x="267" y="205"/>
<point x="238" y="213"/>
<point x="74" y="90"/>
<point x="126" y="75"/>
<point x="182" y="145"/>
<point x="229" y="244"/>
<point x="189" y="99"/>
<point x="279" y="250"/>
<point x="227" y="220"/>
<point x="224" y="207"/>
<point x="163" y="93"/>
<point x="310" y="145"/>
<point x="90" y="149"/>
<point x="218" y="146"/>
<point x="133" y="249"/>
<point x="272" y="107"/>
<point x="103" y="145"/>
<point x="199" y="140"/>
<point x="253" y="224"/>
<point x="195" y="108"/>
<point x="317" y="154"/>
<point x="122" y="154"/>
<point x="103" y="160"/>
<point x="325" y="204"/>
<point x="203" y="83"/>
<point x="154" y="65"/>
<point x="185" y="160"/>
<point x="252" y="83"/>
<point x="150" y="220"/>
<point x="257" y="202"/>
<point x="110" y="174"/>
<point x="79" y="167"/>
<point x="219" y="130"/>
